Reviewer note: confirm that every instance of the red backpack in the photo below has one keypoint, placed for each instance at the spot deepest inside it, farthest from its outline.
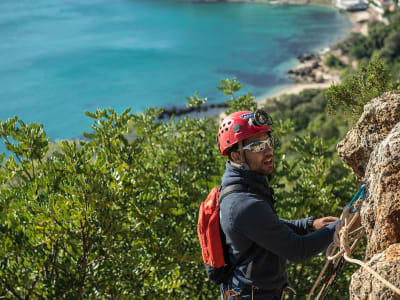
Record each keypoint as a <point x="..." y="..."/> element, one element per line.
<point x="212" y="238"/>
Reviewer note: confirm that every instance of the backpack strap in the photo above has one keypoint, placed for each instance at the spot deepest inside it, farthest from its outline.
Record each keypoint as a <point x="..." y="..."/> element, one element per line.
<point x="223" y="192"/>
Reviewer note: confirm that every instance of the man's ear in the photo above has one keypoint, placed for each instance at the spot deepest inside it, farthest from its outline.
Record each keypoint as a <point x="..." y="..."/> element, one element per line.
<point x="236" y="157"/>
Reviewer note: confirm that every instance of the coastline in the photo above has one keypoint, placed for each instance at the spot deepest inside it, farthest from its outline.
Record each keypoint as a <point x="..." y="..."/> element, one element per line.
<point x="357" y="26"/>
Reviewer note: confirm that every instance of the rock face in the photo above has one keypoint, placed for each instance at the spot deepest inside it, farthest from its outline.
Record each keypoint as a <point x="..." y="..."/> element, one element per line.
<point x="372" y="150"/>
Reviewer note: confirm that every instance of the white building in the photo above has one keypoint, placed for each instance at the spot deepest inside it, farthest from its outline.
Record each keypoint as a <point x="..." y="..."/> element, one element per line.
<point x="351" y="5"/>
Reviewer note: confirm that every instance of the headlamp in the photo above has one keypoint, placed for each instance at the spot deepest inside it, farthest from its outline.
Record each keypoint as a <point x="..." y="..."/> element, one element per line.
<point x="260" y="118"/>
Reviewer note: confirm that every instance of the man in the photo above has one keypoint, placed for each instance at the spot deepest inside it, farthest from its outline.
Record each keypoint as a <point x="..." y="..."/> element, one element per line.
<point x="249" y="220"/>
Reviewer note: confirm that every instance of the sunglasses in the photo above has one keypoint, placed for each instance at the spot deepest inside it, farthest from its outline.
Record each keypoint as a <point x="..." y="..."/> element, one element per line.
<point x="259" y="146"/>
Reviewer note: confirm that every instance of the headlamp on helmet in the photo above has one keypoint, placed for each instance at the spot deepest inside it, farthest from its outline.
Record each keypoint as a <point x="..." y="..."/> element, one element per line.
<point x="260" y="118"/>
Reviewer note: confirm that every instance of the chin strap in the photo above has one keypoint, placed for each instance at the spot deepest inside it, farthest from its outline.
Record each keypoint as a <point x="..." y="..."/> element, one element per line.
<point x="243" y="164"/>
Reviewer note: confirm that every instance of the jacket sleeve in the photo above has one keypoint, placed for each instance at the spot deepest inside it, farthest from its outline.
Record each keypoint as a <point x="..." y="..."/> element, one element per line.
<point x="298" y="226"/>
<point x="260" y="224"/>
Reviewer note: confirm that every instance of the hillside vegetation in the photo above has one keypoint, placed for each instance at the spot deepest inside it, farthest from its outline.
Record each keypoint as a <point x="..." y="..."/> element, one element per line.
<point x="116" y="217"/>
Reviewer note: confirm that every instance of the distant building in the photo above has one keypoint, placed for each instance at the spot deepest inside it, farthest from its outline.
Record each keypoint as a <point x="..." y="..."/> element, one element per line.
<point x="352" y="5"/>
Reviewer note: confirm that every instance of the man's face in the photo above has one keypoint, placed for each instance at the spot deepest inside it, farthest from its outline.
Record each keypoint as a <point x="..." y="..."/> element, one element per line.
<point x="263" y="161"/>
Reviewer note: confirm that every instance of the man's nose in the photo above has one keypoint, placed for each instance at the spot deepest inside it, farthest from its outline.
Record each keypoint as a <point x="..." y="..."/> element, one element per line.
<point x="268" y="150"/>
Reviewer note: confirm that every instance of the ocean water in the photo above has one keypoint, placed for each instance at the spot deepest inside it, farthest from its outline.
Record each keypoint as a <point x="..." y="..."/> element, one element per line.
<point x="60" y="58"/>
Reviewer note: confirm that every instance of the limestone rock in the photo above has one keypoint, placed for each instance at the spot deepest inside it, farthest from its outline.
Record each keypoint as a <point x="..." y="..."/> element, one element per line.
<point x="366" y="286"/>
<point x="372" y="150"/>
<point x="379" y="117"/>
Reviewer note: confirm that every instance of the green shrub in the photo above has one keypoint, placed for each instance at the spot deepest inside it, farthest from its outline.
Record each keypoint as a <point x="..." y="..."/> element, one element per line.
<point x="391" y="49"/>
<point x="334" y="62"/>
<point x="354" y="93"/>
<point x="115" y="217"/>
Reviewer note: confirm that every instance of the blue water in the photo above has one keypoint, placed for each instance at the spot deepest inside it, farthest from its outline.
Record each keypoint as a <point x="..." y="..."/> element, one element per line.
<point x="60" y="58"/>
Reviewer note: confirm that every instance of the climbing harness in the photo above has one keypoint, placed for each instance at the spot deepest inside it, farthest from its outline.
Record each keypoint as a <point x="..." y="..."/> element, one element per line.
<point x="335" y="261"/>
<point x="235" y="292"/>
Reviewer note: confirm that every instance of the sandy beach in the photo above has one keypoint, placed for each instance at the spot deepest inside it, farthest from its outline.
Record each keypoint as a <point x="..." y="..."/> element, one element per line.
<point x="294" y="88"/>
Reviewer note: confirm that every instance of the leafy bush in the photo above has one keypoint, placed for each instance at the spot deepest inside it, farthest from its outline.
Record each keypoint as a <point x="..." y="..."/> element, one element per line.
<point x="106" y="218"/>
<point x="391" y="49"/>
<point x="299" y="108"/>
<point x="353" y="94"/>
<point x="377" y="33"/>
<point x="334" y="62"/>
<point x="356" y="46"/>
<point x="115" y="216"/>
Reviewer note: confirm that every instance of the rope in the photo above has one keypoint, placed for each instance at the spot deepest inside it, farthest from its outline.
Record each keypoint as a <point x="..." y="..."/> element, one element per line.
<point x="334" y="258"/>
<point x="345" y="250"/>
<point x="349" y="216"/>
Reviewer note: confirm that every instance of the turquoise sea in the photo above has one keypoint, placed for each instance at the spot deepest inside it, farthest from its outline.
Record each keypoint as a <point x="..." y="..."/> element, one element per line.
<point x="60" y="58"/>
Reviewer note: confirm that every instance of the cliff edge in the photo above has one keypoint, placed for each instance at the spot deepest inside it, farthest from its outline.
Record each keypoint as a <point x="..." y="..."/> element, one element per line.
<point x="372" y="150"/>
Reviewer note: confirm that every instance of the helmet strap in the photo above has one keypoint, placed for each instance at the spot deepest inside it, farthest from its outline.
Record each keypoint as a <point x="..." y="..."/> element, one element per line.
<point x="243" y="164"/>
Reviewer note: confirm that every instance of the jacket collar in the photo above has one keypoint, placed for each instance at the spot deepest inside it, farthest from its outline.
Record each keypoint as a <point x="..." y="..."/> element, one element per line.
<point x="256" y="181"/>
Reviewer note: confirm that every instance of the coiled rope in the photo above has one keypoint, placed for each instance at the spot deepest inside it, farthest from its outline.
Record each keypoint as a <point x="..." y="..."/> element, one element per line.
<point x="349" y="216"/>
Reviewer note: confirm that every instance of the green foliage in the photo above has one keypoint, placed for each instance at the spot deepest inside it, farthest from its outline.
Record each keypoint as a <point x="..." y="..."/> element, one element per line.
<point x="352" y="95"/>
<point x="356" y="46"/>
<point x="299" y="108"/>
<point x="115" y="216"/>
<point x="307" y="111"/>
<point x="195" y="101"/>
<point x="334" y="62"/>
<point x="33" y="144"/>
<point x="360" y="46"/>
<point x="106" y="218"/>
<point x="243" y="102"/>
<point x="377" y="33"/>
<point x="382" y="41"/>
<point x="391" y="49"/>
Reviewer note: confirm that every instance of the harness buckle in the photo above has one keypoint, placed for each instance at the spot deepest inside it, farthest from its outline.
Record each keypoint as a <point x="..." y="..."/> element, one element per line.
<point x="232" y="292"/>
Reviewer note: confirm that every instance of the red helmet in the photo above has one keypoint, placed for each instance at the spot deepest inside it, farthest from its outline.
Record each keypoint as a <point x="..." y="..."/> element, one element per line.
<point x="241" y="125"/>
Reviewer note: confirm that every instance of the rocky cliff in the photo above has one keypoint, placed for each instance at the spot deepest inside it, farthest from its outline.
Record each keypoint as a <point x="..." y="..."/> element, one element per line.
<point x="372" y="150"/>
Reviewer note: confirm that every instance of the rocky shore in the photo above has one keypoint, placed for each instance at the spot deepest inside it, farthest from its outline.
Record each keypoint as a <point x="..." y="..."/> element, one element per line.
<point x="313" y="69"/>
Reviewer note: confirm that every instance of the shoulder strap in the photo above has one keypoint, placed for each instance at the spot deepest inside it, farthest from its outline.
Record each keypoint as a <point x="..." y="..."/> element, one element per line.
<point x="223" y="192"/>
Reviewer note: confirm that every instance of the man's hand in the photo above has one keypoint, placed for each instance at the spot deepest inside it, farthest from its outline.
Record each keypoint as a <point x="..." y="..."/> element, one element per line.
<point x="323" y="222"/>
